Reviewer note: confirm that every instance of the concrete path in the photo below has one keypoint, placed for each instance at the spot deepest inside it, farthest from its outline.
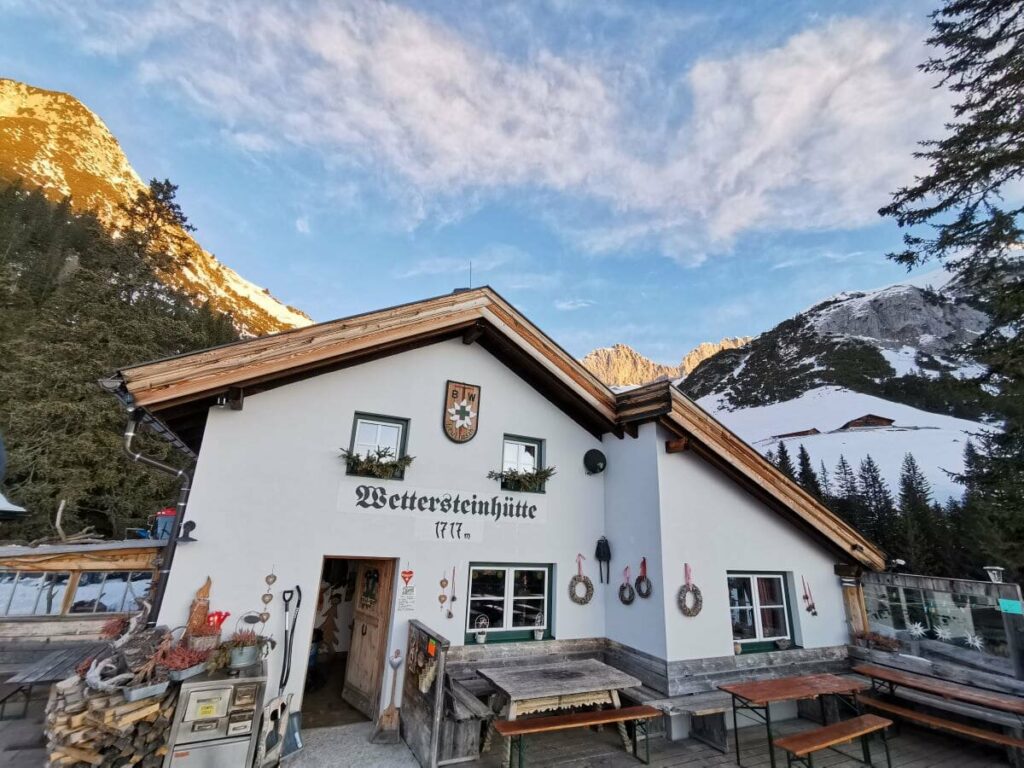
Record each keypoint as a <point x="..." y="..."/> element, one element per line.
<point x="348" y="746"/>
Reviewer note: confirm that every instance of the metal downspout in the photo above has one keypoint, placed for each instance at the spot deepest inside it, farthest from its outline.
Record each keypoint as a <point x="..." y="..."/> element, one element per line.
<point x="179" y="511"/>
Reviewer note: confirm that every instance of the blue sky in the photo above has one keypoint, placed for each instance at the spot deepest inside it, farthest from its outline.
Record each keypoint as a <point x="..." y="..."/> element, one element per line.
<point x="658" y="174"/>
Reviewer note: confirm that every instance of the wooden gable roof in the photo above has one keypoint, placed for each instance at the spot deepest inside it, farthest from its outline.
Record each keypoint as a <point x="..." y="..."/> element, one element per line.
<point x="178" y="391"/>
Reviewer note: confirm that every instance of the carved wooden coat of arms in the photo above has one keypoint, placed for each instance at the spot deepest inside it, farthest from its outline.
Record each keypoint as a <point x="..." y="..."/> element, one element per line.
<point x="461" y="411"/>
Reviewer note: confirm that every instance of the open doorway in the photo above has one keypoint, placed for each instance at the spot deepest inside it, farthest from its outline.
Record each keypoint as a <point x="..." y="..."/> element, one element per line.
<point x="350" y="635"/>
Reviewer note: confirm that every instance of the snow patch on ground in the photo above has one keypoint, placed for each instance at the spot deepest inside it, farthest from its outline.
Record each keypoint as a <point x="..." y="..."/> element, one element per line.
<point x="937" y="441"/>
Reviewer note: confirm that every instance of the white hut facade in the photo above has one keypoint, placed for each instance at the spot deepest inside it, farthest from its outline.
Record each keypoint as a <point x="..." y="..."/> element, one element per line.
<point x="468" y="386"/>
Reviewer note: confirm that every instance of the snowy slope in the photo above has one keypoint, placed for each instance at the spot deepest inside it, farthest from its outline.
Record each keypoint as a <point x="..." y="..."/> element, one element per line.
<point x="937" y="441"/>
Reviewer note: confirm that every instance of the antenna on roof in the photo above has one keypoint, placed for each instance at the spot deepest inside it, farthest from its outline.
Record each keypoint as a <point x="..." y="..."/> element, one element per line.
<point x="471" y="274"/>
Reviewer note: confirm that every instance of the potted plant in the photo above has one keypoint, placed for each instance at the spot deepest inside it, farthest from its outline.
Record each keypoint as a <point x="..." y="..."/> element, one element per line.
<point x="183" y="662"/>
<point x="538" y="626"/>
<point x="531" y="481"/>
<point x="480" y="625"/>
<point x="204" y="638"/>
<point x="245" y="647"/>
<point x="381" y="463"/>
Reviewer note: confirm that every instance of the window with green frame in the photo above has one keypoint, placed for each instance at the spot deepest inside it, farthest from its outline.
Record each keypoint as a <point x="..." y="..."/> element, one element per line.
<point x="759" y="610"/>
<point x="512" y="600"/>
<point x="523" y="455"/>
<point x="372" y="432"/>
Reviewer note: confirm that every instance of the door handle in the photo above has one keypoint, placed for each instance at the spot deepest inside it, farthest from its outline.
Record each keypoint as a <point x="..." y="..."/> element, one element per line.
<point x="364" y="630"/>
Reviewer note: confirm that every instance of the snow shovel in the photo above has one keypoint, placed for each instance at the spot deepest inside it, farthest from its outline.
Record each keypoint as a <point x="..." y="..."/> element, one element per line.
<point x="387" y="730"/>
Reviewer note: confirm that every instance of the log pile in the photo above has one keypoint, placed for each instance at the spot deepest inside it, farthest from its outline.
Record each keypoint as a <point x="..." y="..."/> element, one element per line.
<point x="87" y="727"/>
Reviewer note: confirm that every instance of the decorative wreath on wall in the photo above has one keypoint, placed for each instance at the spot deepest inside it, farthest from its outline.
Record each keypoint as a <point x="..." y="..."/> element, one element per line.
<point x="643" y="584"/>
<point x="580" y="580"/>
<point x="689" y="598"/>
<point x="626" y="593"/>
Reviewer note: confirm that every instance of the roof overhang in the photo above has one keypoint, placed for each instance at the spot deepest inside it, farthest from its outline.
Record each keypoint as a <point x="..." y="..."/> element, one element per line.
<point x="176" y="393"/>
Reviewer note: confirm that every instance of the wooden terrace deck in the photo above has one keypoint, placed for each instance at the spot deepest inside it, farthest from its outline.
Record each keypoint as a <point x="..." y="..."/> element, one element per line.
<point x="913" y="748"/>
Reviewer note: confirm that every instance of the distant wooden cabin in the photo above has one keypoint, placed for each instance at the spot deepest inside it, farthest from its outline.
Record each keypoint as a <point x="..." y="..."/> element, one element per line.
<point x="56" y="593"/>
<point x="868" y="420"/>
<point x="801" y="433"/>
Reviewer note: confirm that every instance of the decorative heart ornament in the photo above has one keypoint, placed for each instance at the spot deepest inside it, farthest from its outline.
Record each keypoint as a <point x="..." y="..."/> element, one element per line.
<point x="406" y="577"/>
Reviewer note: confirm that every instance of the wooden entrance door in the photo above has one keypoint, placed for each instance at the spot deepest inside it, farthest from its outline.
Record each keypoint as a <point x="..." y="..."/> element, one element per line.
<point x="370" y="624"/>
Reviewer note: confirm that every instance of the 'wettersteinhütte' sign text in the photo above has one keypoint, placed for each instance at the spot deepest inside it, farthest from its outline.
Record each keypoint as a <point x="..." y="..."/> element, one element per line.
<point x="457" y="504"/>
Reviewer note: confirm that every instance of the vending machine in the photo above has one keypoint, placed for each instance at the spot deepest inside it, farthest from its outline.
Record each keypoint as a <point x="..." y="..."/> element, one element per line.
<point x="216" y="723"/>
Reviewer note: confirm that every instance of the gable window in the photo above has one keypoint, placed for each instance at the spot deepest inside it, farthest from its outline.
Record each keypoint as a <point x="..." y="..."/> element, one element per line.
<point x="522" y="455"/>
<point x="509" y="602"/>
<point x="372" y="434"/>
<point x="758" y="608"/>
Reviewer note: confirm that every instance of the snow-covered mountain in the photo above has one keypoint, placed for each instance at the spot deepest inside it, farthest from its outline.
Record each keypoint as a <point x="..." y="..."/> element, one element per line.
<point x="622" y="366"/>
<point x="53" y="141"/>
<point x="894" y="353"/>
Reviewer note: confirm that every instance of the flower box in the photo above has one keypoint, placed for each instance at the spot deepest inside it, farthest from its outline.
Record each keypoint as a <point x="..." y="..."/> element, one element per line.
<point x="139" y="692"/>
<point x="177" y="675"/>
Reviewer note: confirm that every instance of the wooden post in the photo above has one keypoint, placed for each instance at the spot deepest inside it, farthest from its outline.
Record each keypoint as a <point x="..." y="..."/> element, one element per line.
<point x="853" y="598"/>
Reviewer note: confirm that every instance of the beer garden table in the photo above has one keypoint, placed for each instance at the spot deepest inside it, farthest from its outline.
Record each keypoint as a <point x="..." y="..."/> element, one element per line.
<point x="565" y="685"/>
<point x="755" y="698"/>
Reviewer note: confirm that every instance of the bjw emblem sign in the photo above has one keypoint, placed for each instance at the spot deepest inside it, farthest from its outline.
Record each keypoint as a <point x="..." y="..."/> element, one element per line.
<point x="461" y="411"/>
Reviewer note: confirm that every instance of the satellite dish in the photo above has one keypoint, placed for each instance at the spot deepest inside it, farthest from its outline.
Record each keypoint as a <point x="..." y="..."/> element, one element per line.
<point x="594" y="461"/>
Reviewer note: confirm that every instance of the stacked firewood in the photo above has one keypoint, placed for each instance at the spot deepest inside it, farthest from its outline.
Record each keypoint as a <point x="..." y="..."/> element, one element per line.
<point x="87" y="727"/>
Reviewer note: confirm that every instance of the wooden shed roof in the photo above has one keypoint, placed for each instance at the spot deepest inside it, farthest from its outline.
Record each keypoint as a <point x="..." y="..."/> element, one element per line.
<point x="178" y="391"/>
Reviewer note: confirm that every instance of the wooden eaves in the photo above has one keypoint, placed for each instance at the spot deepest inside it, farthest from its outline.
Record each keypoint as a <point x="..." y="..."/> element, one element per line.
<point x="178" y="392"/>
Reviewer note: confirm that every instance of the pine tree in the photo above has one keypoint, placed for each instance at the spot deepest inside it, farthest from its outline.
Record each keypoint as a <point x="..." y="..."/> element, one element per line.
<point x="77" y="304"/>
<point x="966" y="213"/>
<point x="919" y="530"/>
<point x="826" y="482"/>
<point x="806" y="475"/>
<point x="880" y="521"/>
<point x="783" y="461"/>
<point x="848" y="502"/>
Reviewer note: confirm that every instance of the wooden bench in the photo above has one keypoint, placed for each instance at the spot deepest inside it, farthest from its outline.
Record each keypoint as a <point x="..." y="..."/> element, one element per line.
<point x="706" y="712"/>
<point x="800" y="747"/>
<point x="941" y="724"/>
<point x="516" y="729"/>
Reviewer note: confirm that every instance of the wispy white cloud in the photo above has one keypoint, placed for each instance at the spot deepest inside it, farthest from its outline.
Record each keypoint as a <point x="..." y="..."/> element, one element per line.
<point x="302" y="225"/>
<point x="812" y="133"/>
<point x="481" y="263"/>
<point x="568" y="305"/>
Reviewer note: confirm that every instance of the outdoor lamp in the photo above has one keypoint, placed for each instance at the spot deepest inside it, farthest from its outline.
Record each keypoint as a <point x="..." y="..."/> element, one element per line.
<point x="187" y="527"/>
<point x="995" y="573"/>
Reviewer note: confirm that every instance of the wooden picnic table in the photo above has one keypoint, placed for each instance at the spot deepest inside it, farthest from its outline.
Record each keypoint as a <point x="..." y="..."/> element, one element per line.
<point x="551" y="687"/>
<point x="891" y="678"/>
<point x="52" y="668"/>
<point x="755" y="698"/>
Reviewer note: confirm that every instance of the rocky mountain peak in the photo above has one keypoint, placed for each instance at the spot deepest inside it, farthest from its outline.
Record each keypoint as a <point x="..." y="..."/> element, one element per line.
<point x="622" y="366"/>
<point x="52" y="141"/>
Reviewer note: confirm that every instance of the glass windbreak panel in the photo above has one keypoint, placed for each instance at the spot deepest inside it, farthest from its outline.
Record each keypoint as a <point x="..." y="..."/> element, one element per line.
<point x="138" y="589"/>
<point x="739" y="591"/>
<point x="769" y="591"/>
<point x="493" y="610"/>
<point x="113" y="593"/>
<point x="26" y="594"/>
<point x="90" y="584"/>
<point x="7" y="579"/>
<point x="487" y="582"/>
<point x="528" y="613"/>
<point x="743" y="627"/>
<point x="530" y="583"/>
<point x="773" y="623"/>
<point x="51" y="596"/>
